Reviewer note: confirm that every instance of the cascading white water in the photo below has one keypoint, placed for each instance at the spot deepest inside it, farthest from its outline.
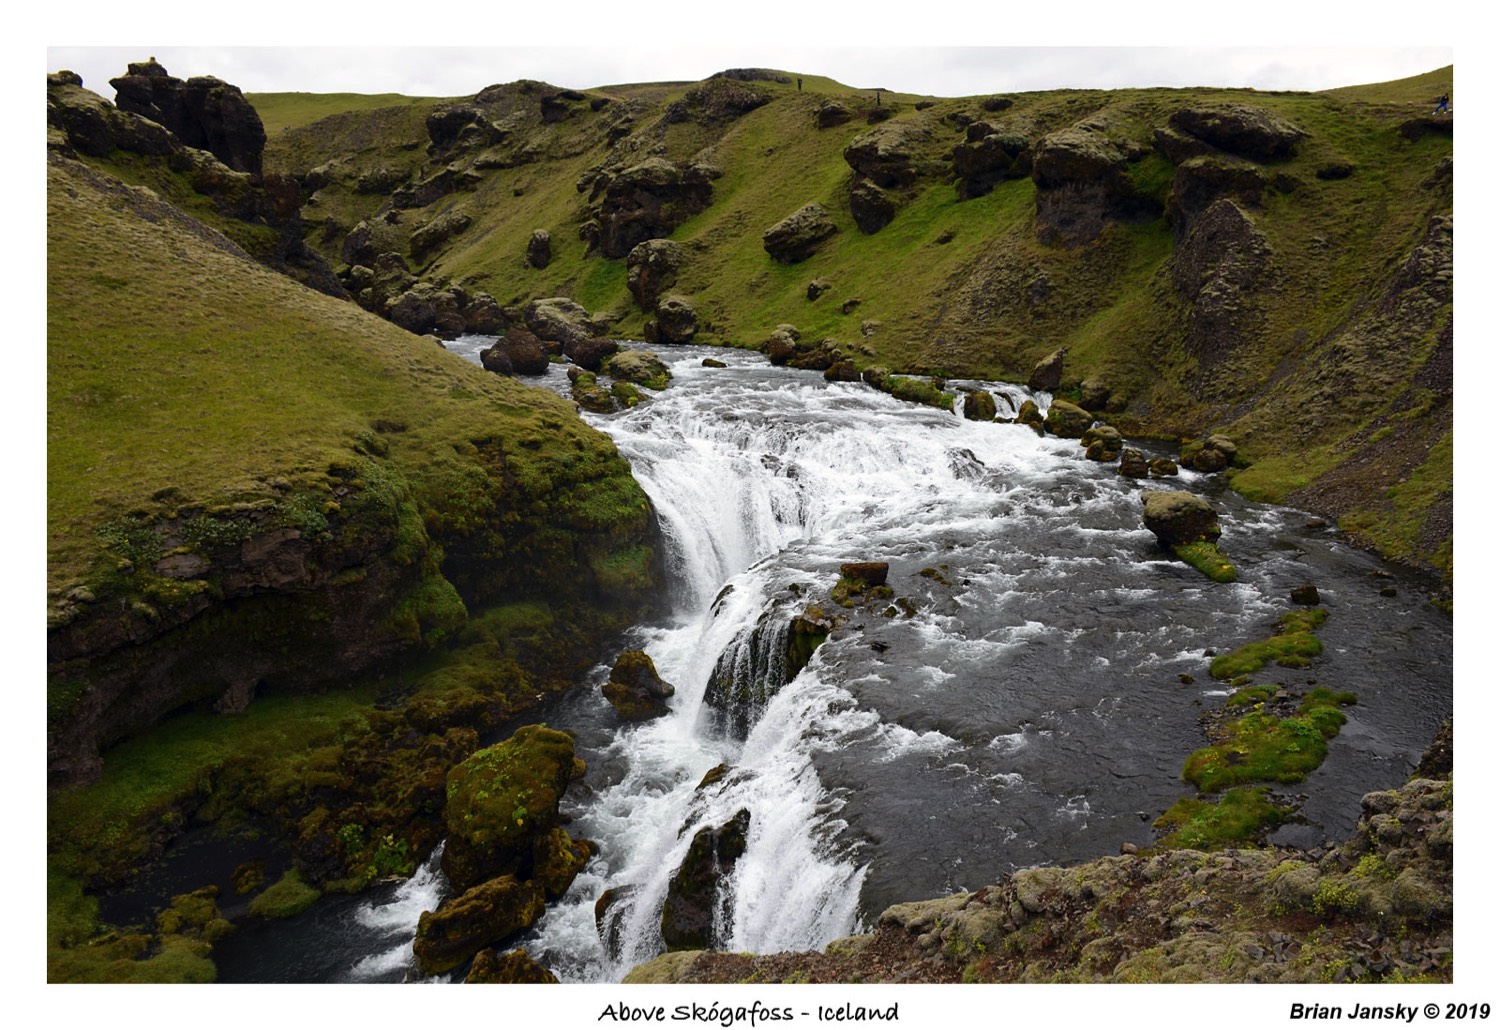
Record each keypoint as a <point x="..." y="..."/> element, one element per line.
<point x="758" y="486"/>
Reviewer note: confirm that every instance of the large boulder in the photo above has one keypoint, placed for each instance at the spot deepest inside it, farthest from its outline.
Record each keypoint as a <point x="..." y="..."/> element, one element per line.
<point x="590" y="354"/>
<point x="638" y="366"/>
<point x="502" y="802"/>
<point x="91" y="125"/>
<point x="1102" y="443"/>
<point x="1179" y="517"/>
<point x="1251" y="132"/>
<point x="872" y="207"/>
<point x="1047" y="373"/>
<point x="635" y="689"/>
<point x="693" y="895"/>
<point x="979" y="406"/>
<point x="831" y="113"/>
<point x="1067" y="419"/>
<point x="483" y="915"/>
<point x="513" y="967"/>
<point x="799" y="234"/>
<point x="539" y="249"/>
<point x="651" y="269"/>
<point x="988" y="158"/>
<point x="887" y="154"/>
<point x="560" y="320"/>
<point x="203" y="112"/>
<point x="518" y="352"/>
<point x="676" y="321"/>
<point x="437" y="232"/>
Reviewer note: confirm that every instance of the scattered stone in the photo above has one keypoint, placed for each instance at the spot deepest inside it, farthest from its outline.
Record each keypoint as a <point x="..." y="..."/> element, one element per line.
<point x="590" y="354"/>
<point x="1031" y="415"/>
<point x="1162" y="467"/>
<point x="1093" y="395"/>
<point x="560" y="320"/>
<point x="676" y="320"/>
<point x="872" y="208"/>
<point x="849" y="305"/>
<point x="520" y="350"/>
<point x="481" y="916"/>
<point x="713" y="363"/>
<point x="831" y="113"/>
<point x="1305" y="594"/>
<point x="817" y="288"/>
<point x="1101" y="443"/>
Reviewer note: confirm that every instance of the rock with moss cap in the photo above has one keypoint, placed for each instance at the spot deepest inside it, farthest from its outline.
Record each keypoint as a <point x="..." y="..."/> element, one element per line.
<point x="483" y="915"/>
<point x="1067" y="420"/>
<point x="1047" y="373"/>
<point x="638" y="366"/>
<point x="651" y="269"/>
<point x="1179" y="517"/>
<point x="1240" y="129"/>
<point x="502" y="800"/>
<point x="635" y="689"/>
<point x="676" y="321"/>
<point x="797" y="236"/>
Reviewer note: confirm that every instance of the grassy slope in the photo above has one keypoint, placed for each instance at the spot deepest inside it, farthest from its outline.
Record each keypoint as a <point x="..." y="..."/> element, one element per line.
<point x="280" y="111"/>
<point x="1290" y="391"/>
<point x="214" y="381"/>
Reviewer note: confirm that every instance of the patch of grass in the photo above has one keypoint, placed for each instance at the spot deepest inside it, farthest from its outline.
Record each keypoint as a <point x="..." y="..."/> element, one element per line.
<point x="1261" y="748"/>
<point x="1207" y="559"/>
<point x="1241" y="816"/>
<point x="1293" y="648"/>
<point x="284" y="898"/>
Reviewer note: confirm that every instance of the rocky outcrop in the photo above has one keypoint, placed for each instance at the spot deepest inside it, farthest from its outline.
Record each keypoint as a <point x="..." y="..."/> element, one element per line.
<point x="676" y="321"/>
<point x="437" y="232"/>
<point x="646" y="201"/>
<point x="832" y="113"/>
<point x="1211" y="454"/>
<point x="518" y="352"/>
<point x="1047" y="373"/>
<point x="635" y="690"/>
<point x="870" y="573"/>
<point x="502" y="807"/>
<point x="1218" y="267"/>
<point x="1240" y="129"/>
<point x="651" y="269"/>
<point x="1179" y="517"/>
<point x="872" y="208"/>
<point x="1378" y="907"/>
<point x="420" y="306"/>
<point x="987" y="158"/>
<point x="1082" y="182"/>
<point x="696" y="889"/>
<point x="796" y="237"/>
<point x="888" y="155"/>
<point x="203" y="112"/>
<point x="1201" y="181"/>
<point x="539" y="249"/>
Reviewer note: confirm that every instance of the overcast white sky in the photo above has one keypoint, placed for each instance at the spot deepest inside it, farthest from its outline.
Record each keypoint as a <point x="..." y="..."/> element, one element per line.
<point x="944" y="71"/>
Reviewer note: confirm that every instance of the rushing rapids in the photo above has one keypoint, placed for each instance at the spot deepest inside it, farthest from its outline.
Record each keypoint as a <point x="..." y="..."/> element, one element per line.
<point x="1025" y="705"/>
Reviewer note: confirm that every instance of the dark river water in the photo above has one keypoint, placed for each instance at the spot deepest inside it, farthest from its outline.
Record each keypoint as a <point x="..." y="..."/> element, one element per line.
<point x="1031" y="710"/>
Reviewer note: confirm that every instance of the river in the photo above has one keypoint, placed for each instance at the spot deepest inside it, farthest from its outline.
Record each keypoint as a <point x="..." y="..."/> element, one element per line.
<point x="1032" y="709"/>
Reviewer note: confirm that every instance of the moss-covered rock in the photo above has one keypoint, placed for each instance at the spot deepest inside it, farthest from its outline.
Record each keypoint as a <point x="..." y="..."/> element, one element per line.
<point x="979" y="406"/>
<point x="1179" y="517"/>
<point x="483" y="915"/>
<point x="1066" y="419"/>
<point x="635" y="689"/>
<point x="513" y="967"/>
<point x="501" y="801"/>
<point x="687" y="917"/>
<point x="639" y="366"/>
<point x="286" y="897"/>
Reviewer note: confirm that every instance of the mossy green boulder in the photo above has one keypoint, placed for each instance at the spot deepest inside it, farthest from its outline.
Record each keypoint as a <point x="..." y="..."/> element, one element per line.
<point x="483" y="915"/>
<point x="502" y="801"/>
<point x="1066" y="419"/>
<point x="638" y="366"/>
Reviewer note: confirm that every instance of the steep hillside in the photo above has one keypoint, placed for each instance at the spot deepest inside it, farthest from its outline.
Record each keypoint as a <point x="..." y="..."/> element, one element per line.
<point x="1275" y="266"/>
